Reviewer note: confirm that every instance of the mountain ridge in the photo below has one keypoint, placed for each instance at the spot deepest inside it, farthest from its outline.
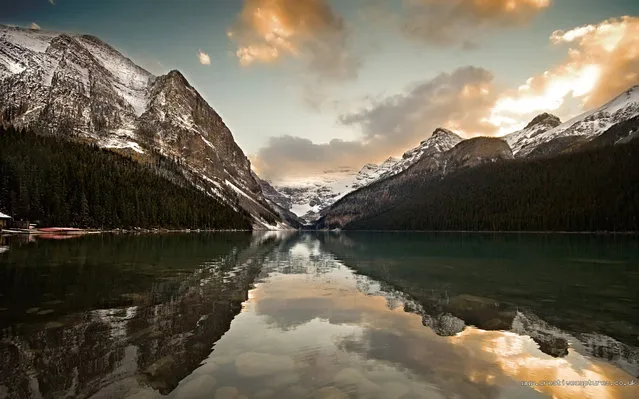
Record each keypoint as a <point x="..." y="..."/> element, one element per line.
<point x="312" y="198"/>
<point x="384" y="194"/>
<point x="545" y="139"/>
<point x="583" y="127"/>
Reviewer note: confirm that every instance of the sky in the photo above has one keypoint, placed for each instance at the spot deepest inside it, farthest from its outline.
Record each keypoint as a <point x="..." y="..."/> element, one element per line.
<point x="312" y="85"/>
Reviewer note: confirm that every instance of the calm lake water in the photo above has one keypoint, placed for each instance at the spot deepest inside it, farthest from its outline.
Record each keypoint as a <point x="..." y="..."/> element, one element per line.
<point x="320" y="315"/>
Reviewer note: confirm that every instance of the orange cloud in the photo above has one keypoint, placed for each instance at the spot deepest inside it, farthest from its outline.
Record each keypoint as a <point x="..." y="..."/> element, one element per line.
<point x="602" y="61"/>
<point x="459" y="100"/>
<point x="613" y="47"/>
<point x="447" y="21"/>
<point x="268" y="30"/>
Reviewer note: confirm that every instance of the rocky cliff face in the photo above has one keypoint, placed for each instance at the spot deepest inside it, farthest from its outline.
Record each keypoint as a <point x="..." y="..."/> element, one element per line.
<point x="476" y="151"/>
<point x="280" y="203"/>
<point x="80" y="87"/>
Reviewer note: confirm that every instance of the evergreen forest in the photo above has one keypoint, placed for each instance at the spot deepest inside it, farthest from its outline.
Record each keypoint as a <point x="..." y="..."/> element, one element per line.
<point x="593" y="190"/>
<point x="56" y="182"/>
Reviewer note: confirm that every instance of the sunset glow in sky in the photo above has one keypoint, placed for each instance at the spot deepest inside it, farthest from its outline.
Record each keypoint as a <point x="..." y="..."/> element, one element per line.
<point x="310" y="85"/>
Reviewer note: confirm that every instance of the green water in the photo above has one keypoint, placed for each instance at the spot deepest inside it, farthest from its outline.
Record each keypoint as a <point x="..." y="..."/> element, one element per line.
<point x="322" y="315"/>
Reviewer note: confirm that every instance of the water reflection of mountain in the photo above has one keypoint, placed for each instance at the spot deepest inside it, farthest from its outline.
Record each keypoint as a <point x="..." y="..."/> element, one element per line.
<point x="170" y="299"/>
<point x="563" y="291"/>
<point x="104" y="316"/>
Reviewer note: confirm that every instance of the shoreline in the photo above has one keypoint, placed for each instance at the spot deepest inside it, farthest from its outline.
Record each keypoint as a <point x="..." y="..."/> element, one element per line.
<point x="67" y="231"/>
<point x="597" y="232"/>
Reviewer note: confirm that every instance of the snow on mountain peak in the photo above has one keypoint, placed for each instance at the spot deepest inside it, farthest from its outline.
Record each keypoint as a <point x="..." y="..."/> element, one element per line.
<point x="131" y="81"/>
<point x="33" y="40"/>
<point x="441" y="140"/>
<point x="544" y="128"/>
<point x="46" y="52"/>
<point x="544" y="119"/>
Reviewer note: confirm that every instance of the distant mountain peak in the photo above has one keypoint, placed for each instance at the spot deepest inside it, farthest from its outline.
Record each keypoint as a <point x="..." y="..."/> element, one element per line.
<point x="174" y="73"/>
<point x="94" y="39"/>
<point x="544" y="119"/>
<point x="440" y="131"/>
<point x="632" y="89"/>
<point x="368" y="166"/>
<point x="390" y="160"/>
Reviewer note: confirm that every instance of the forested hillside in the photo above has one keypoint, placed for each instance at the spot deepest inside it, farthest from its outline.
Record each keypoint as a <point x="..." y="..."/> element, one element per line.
<point x="57" y="182"/>
<point x="595" y="190"/>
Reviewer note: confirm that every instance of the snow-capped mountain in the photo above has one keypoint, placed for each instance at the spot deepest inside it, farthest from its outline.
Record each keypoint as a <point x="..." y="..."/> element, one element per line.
<point x="308" y="197"/>
<point x="538" y="126"/>
<point x="376" y="198"/>
<point x="545" y="135"/>
<point x="441" y="140"/>
<point x="80" y="87"/>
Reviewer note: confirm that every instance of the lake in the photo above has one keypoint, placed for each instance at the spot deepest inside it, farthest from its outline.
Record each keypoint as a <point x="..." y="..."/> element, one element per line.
<point x="320" y="315"/>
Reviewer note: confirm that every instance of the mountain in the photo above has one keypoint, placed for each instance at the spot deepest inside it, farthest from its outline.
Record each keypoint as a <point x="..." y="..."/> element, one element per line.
<point x="538" y="126"/>
<point x="440" y="141"/>
<point x="385" y="193"/>
<point x="589" y="190"/>
<point x="54" y="181"/>
<point x="79" y="87"/>
<point x="308" y="198"/>
<point x="546" y="136"/>
<point x="385" y="203"/>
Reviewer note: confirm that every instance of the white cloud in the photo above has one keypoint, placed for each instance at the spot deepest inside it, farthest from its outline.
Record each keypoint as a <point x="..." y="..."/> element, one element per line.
<point x="34" y="26"/>
<point x="308" y="30"/>
<point x="204" y="58"/>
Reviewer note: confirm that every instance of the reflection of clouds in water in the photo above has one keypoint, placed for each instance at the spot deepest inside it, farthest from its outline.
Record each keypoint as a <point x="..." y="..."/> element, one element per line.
<point x="327" y="325"/>
<point x="306" y="248"/>
<point x="519" y="358"/>
<point x="311" y="325"/>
